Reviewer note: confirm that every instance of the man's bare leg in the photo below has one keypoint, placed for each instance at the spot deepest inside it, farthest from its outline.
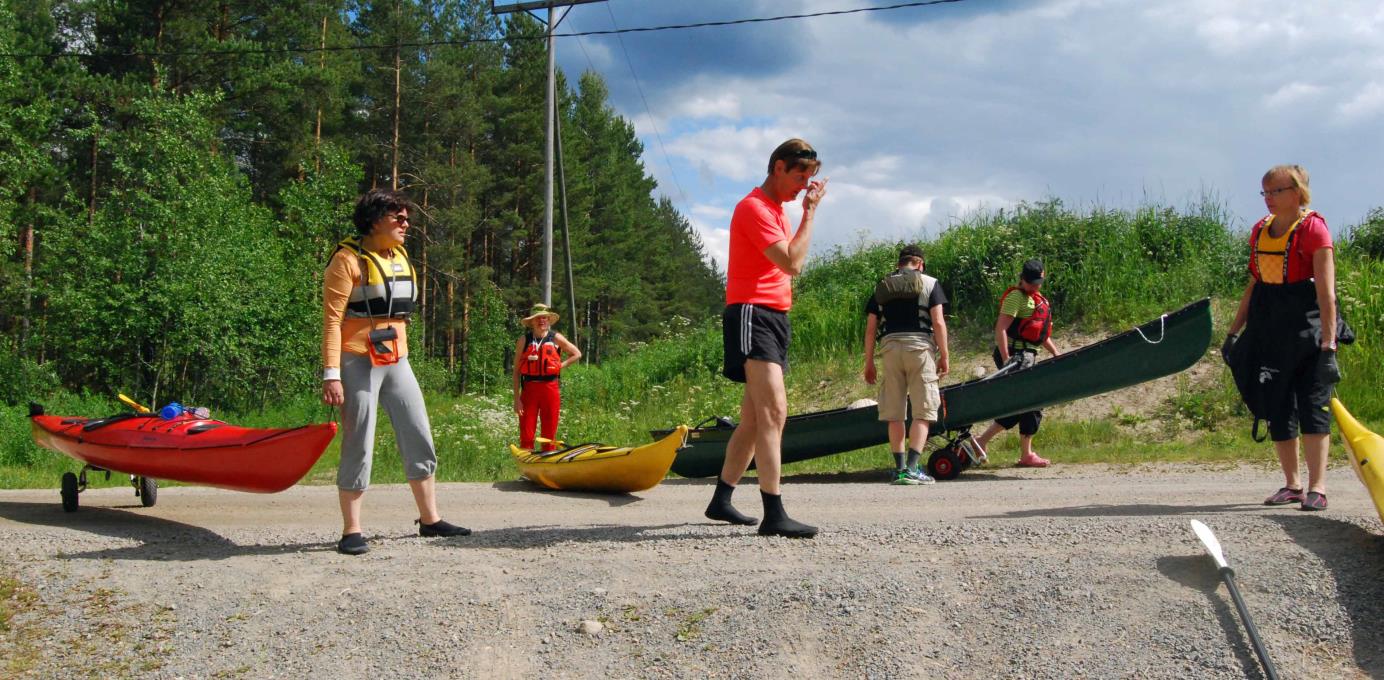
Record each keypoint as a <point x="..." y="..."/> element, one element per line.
<point x="739" y="451"/>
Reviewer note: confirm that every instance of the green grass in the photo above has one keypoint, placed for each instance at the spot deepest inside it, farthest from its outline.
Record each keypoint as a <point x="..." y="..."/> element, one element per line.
<point x="1108" y="269"/>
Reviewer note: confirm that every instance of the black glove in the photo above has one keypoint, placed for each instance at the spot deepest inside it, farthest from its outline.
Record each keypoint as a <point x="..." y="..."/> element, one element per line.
<point x="1228" y="346"/>
<point x="1328" y="371"/>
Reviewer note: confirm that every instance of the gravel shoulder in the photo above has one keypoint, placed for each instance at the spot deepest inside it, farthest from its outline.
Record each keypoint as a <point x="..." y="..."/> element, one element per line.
<point x="1070" y="571"/>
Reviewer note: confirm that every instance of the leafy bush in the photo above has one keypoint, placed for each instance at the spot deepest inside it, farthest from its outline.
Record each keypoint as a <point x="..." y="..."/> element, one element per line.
<point x="1367" y="238"/>
<point x="1104" y="267"/>
<point x="22" y="380"/>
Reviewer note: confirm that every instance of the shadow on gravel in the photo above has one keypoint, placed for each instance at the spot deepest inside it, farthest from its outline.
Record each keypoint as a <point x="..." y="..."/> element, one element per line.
<point x="1199" y="573"/>
<point x="614" y="500"/>
<point x="547" y="535"/>
<point x="1355" y="557"/>
<point x="1139" y="510"/>
<point x="879" y="476"/>
<point x="161" y="539"/>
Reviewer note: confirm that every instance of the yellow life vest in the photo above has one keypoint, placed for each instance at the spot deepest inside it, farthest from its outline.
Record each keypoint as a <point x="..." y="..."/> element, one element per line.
<point x="388" y="286"/>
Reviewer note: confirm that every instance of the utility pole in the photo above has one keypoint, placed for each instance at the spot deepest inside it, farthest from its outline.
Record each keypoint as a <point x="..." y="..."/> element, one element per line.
<point x="499" y="7"/>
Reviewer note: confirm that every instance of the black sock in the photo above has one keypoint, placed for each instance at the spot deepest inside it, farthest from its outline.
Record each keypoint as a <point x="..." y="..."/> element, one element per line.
<point x="913" y="458"/>
<point x="720" y="508"/>
<point x="778" y="523"/>
<point x="898" y="461"/>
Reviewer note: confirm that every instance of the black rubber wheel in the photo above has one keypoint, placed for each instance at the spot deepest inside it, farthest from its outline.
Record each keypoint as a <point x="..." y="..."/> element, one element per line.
<point x="69" y="492"/>
<point x="148" y="491"/>
<point x="944" y="464"/>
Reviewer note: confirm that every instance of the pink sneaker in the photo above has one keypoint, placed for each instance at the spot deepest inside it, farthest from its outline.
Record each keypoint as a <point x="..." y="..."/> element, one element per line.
<point x="1033" y="460"/>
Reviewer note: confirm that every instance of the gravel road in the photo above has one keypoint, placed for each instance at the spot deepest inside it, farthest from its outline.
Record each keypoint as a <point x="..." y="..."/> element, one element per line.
<point x="1070" y="571"/>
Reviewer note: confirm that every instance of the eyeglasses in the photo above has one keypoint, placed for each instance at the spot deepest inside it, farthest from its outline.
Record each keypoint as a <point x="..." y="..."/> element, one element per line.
<point x="1275" y="192"/>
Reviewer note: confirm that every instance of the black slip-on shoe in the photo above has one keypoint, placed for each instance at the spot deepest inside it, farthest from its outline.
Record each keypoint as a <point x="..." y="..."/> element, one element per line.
<point x="440" y="528"/>
<point x="352" y="544"/>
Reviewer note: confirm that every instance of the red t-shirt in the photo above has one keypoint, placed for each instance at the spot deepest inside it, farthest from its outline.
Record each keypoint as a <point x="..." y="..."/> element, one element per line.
<point x="1311" y="235"/>
<point x="751" y="277"/>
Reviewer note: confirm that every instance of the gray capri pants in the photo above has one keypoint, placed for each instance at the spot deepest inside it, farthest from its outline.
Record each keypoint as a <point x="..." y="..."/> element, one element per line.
<point x="397" y="389"/>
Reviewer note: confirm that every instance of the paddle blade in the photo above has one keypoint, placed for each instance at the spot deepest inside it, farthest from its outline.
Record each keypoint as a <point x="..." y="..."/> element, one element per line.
<point x="1208" y="539"/>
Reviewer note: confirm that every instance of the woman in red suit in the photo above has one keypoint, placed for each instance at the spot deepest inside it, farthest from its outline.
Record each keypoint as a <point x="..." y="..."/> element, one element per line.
<point x="538" y="361"/>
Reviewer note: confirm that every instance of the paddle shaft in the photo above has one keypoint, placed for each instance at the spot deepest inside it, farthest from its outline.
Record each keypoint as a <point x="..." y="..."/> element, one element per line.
<point x="1270" y="672"/>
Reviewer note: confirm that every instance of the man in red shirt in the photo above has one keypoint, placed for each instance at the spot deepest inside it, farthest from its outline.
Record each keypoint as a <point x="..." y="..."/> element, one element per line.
<point x="764" y="256"/>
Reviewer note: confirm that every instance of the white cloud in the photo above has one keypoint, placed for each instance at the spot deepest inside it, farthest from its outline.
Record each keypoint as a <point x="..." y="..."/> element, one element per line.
<point x="1367" y="102"/>
<point x="708" y="211"/>
<point x="1088" y="100"/>
<point x="715" y="238"/>
<point x="722" y="105"/>
<point x="736" y="153"/>
<point x="1293" y="93"/>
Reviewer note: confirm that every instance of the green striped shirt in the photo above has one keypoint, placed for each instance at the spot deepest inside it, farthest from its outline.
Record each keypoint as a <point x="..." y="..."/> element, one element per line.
<point x="1019" y="305"/>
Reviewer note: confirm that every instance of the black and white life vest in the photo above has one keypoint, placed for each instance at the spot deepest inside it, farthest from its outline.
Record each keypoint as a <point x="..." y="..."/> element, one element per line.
<point x="902" y="297"/>
<point x="387" y="287"/>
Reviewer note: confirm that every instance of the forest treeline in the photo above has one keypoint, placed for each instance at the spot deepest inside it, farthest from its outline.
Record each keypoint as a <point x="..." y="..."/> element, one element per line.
<point x="169" y="200"/>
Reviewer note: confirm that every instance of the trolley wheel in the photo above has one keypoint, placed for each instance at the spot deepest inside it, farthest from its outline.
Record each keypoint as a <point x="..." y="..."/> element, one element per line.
<point x="69" y="492"/>
<point x="147" y="488"/>
<point x="944" y="464"/>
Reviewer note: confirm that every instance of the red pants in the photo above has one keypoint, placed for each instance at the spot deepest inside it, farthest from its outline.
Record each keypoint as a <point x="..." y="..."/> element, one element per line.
<point x="539" y="398"/>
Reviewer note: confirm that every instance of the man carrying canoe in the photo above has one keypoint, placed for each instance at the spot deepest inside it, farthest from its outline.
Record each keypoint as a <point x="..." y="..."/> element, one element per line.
<point x="905" y="315"/>
<point x="1024" y="324"/>
<point x="764" y="256"/>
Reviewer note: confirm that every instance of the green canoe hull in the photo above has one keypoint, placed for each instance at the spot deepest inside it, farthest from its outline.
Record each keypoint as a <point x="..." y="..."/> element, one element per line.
<point x="1158" y="348"/>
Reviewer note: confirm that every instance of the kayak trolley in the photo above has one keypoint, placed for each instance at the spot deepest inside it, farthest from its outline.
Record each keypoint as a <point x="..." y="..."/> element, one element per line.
<point x="959" y="452"/>
<point x="146" y="488"/>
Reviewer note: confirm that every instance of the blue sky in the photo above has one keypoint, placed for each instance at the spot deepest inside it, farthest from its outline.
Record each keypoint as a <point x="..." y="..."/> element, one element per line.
<point x="922" y="115"/>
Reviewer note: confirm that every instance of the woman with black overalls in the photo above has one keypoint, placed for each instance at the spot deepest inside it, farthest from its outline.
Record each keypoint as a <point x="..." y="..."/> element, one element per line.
<point x="1285" y="363"/>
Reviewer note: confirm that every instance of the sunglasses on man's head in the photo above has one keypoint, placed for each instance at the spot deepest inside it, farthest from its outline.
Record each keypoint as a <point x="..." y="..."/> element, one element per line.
<point x="808" y="154"/>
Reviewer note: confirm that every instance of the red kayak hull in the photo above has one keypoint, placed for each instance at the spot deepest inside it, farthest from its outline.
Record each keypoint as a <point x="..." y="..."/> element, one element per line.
<point x="188" y="449"/>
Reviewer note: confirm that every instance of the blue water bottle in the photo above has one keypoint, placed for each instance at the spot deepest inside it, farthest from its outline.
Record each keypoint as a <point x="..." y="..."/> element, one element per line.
<point x="171" y="411"/>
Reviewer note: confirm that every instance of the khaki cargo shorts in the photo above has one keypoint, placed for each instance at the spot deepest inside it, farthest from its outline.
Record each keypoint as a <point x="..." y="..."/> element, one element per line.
<point x="909" y="373"/>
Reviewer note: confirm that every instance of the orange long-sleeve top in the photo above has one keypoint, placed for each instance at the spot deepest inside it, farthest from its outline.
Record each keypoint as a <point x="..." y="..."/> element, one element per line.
<point x="342" y="334"/>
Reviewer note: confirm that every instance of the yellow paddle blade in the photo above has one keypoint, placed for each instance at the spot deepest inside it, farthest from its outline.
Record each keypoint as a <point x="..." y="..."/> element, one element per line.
<point x="545" y="440"/>
<point x="132" y="403"/>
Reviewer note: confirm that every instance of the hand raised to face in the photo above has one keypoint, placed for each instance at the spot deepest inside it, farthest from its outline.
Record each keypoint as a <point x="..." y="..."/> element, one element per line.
<point x="816" y="190"/>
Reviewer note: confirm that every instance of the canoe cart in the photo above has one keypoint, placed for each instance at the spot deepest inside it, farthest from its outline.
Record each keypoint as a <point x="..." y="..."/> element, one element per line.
<point x="597" y="467"/>
<point x="185" y="449"/>
<point x="1163" y="346"/>
<point x="1366" y="451"/>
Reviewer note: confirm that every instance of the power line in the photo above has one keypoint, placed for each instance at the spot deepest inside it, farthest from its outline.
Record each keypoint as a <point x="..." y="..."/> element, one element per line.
<point x="671" y="170"/>
<point x="474" y="41"/>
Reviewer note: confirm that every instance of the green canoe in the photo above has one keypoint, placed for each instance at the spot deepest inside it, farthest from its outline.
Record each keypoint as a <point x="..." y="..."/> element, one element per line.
<point x="1160" y="347"/>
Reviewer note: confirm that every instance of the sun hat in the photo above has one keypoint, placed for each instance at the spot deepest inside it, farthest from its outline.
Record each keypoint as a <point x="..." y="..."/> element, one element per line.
<point x="538" y="310"/>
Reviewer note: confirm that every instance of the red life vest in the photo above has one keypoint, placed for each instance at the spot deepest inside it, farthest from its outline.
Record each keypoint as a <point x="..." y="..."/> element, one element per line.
<point x="541" y="358"/>
<point x="1035" y="328"/>
<point x="1288" y="252"/>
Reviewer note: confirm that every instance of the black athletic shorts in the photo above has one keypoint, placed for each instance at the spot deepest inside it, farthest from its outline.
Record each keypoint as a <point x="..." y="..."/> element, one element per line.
<point x="753" y="332"/>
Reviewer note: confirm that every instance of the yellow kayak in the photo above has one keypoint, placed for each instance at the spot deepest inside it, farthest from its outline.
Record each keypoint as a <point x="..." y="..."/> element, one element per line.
<point x="596" y="467"/>
<point x="1366" y="453"/>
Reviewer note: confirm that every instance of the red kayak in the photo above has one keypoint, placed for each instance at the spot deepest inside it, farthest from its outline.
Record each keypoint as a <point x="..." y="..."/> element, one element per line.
<point x="187" y="449"/>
